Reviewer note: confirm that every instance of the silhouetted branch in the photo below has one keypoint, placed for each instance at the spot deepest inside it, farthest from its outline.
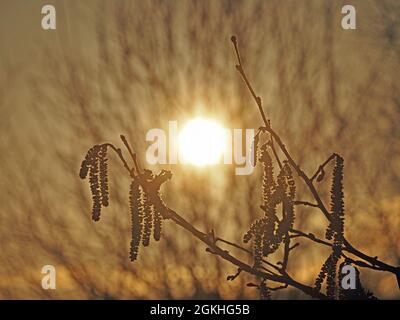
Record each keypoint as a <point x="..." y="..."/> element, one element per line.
<point x="249" y="252"/>
<point x="374" y="263"/>
<point x="151" y="189"/>
<point x="119" y="153"/>
<point x="285" y="279"/>
<point x="239" y="67"/>
<point x="321" y="167"/>
<point x="306" y="203"/>
<point x="308" y="181"/>
<point x="133" y="155"/>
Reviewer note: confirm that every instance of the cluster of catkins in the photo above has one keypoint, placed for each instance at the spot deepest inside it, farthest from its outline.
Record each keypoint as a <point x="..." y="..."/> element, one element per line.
<point x="334" y="231"/>
<point x="269" y="231"/>
<point x="144" y="218"/>
<point x="95" y="163"/>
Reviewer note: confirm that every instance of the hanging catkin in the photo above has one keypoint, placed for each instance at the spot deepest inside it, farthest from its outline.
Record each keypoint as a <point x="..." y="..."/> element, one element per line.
<point x="147" y="220"/>
<point x="334" y="231"/>
<point x="268" y="184"/>
<point x="94" y="182"/>
<point x="287" y="190"/>
<point x="268" y="232"/>
<point x="136" y="218"/>
<point x="265" y="293"/>
<point x="157" y="222"/>
<point x="103" y="175"/>
<point x="84" y="167"/>
<point x="257" y="246"/>
<point x="95" y="163"/>
<point x="323" y="273"/>
<point x="337" y="202"/>
<point x="268" y="187"/>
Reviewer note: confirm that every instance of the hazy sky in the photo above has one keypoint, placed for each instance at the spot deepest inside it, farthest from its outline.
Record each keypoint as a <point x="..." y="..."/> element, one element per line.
<point x="21" y="34"/>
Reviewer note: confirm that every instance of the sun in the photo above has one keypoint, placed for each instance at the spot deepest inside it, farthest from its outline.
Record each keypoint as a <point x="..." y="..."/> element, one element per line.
<point x="202" y="142"/>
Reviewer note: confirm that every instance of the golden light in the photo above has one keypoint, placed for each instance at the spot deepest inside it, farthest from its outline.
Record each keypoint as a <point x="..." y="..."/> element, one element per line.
<point x="202" y="142"/>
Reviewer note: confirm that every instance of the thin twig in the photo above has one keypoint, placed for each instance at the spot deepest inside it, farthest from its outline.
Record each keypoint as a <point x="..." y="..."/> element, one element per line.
<point x="247" y="251"/>
<point x="322" y="166"/>
<point x="374" y="263"/>
<point x="305" y="203"/>
<point x="121" y="157"/>
<point x="239" y="67"/>
<point x="278" y="288"/>
<point x="275" y="153"/>
<point x="133" y="155"/>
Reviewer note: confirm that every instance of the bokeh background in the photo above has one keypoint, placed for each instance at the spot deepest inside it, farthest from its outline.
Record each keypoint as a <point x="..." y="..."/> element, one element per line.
<point x="115" y="67"/>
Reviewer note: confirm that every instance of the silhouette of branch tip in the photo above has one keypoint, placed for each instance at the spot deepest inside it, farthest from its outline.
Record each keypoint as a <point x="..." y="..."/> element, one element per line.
<point x="234" y="276"/>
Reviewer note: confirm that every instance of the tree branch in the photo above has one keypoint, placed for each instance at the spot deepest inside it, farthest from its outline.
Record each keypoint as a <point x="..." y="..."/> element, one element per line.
<point x="308" y="181"/>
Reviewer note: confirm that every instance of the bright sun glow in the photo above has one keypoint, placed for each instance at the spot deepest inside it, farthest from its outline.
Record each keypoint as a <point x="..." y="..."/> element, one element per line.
<point x="202" y="142"/>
